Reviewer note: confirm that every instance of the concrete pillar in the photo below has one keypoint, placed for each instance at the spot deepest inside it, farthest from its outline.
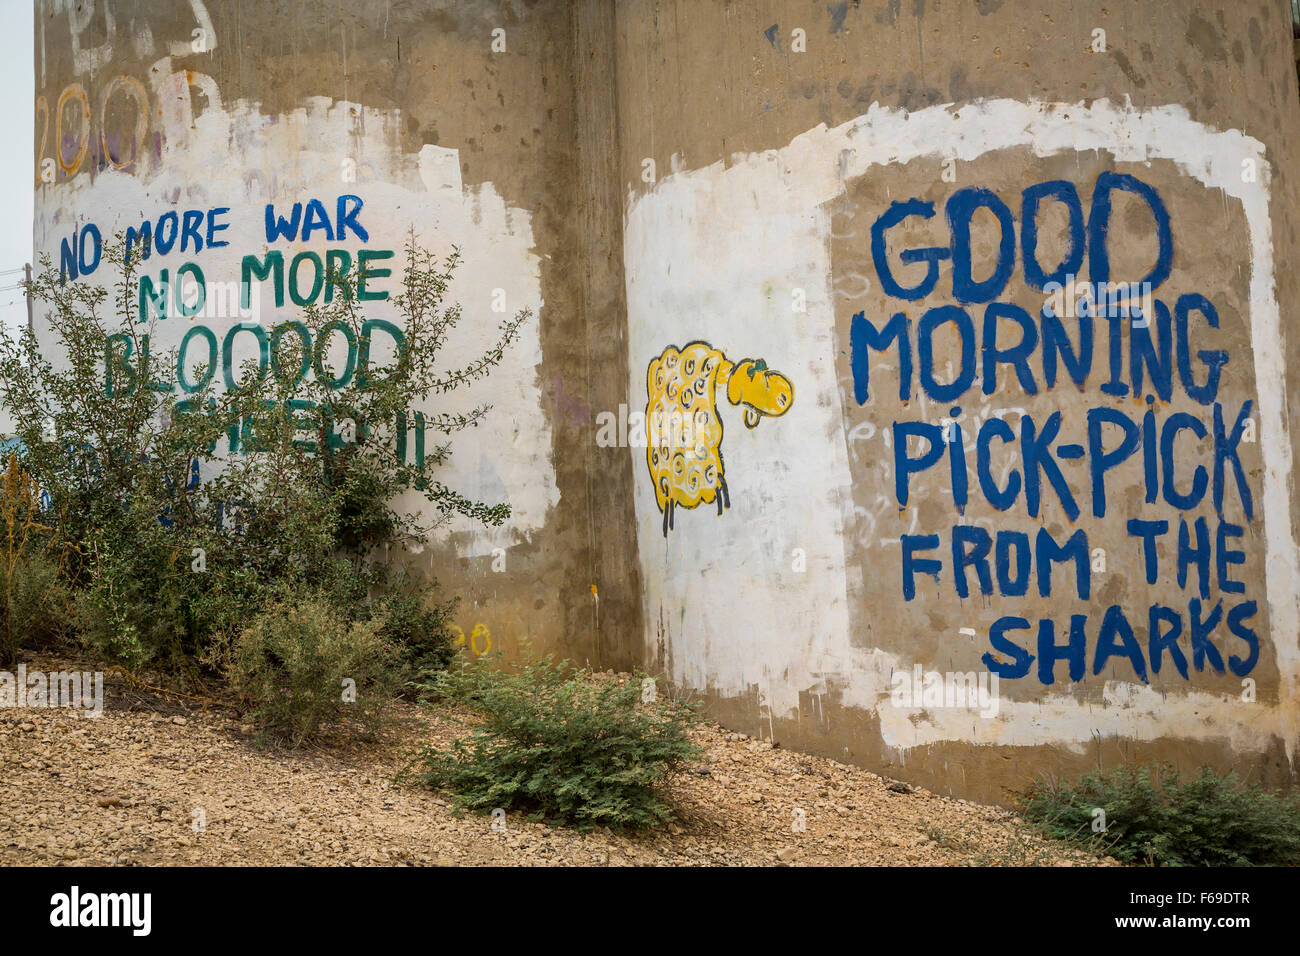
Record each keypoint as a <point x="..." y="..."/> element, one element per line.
<point x="457" y="121"/>
<point x="1155" y="142"/>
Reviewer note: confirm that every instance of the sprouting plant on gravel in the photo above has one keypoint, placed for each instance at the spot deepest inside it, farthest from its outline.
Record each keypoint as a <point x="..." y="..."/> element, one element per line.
<point x="1160" y="818"/>
<point x="563" y="744"/>
<point x="946" y="838"/>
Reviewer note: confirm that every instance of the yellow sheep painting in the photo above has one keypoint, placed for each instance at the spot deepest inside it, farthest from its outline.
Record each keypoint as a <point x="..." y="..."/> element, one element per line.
<point x="685" y="431"/>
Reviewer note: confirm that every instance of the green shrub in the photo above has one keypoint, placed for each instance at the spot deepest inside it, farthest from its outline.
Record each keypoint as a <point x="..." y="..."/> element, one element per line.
<point x="292" y="663"/>
<point x="133" y="609"/>
<point x="419" y="630"/>
<point x="36" y="606"/>
<point x="179" y="510"/>
<point x="570" y="747"/>
<point x="1169" y="821"/>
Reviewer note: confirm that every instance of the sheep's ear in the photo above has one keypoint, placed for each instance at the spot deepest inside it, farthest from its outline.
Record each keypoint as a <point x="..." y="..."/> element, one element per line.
<point x="751" y="418"/>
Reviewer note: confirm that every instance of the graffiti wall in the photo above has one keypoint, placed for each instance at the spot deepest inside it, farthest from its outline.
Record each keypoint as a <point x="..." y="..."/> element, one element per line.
<point x="244" y="154"/>
<point x="232" y="243"/>
<point x="1019" y="495"/>
<point x="910" y="380"/>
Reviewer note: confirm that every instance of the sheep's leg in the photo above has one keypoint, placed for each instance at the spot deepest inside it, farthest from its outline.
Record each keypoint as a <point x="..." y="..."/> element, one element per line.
<point x="668" y="509"/>
<point x="726" y="495"/>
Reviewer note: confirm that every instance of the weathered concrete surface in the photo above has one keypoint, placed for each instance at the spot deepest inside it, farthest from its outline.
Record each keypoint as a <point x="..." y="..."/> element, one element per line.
<point x="650" y="174"/>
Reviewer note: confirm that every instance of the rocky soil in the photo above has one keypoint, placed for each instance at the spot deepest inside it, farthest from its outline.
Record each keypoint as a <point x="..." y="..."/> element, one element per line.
<point x="152" y="782"/>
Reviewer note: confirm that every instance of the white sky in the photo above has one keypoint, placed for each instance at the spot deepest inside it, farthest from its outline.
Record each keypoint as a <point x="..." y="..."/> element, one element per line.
<point x="17" y="165"/>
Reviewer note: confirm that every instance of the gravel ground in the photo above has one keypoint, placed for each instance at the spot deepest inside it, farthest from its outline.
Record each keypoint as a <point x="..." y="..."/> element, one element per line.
<point x="126" y="789"/>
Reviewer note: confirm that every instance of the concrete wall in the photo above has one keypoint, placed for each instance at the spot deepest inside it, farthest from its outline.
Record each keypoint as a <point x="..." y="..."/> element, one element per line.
<point x="696" y="200"/>
<point x="459" y="120"/>
<point x="784" y="134"/>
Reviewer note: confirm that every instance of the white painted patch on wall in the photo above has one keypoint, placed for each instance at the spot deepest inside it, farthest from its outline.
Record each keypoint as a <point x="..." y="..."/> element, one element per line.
<point x="241" y="158"/>
<point x="704" y="248"/>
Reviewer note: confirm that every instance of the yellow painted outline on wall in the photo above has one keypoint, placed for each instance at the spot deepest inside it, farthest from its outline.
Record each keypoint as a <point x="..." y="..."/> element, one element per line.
<point x="684" y="450"/>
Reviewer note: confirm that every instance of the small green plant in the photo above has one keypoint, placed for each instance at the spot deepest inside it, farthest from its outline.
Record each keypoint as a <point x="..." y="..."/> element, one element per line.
<point x="570" y="747"/>
<point x="36" y="606"/>
<point x="419" y="628"/>
<point x="299" y="667"/>
<point x="175" y="511"/>
<point x="951" y="839"/>
<point x="1160" y="818"/>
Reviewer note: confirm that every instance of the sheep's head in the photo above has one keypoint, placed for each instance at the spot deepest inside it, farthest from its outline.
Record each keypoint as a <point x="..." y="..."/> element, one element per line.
<point x="761" y="390"/>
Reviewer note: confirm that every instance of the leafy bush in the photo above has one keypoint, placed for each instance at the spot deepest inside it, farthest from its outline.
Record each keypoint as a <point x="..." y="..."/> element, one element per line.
<point x="189" y="511"/>
<point x="292" y="666"/>
<point x="570" y="747"/>
<point x="420" y="632"/>
<point x="37" y="607"/>
<point x="1204" y="821"/>
<point x="133" y="608"/>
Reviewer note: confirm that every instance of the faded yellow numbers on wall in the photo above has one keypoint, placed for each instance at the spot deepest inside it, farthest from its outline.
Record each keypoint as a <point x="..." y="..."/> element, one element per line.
<point x="134" y="89"/>
<point x="74" y="94"/>
<point x="122" y="140"/>
<point x="480" y="634"/>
